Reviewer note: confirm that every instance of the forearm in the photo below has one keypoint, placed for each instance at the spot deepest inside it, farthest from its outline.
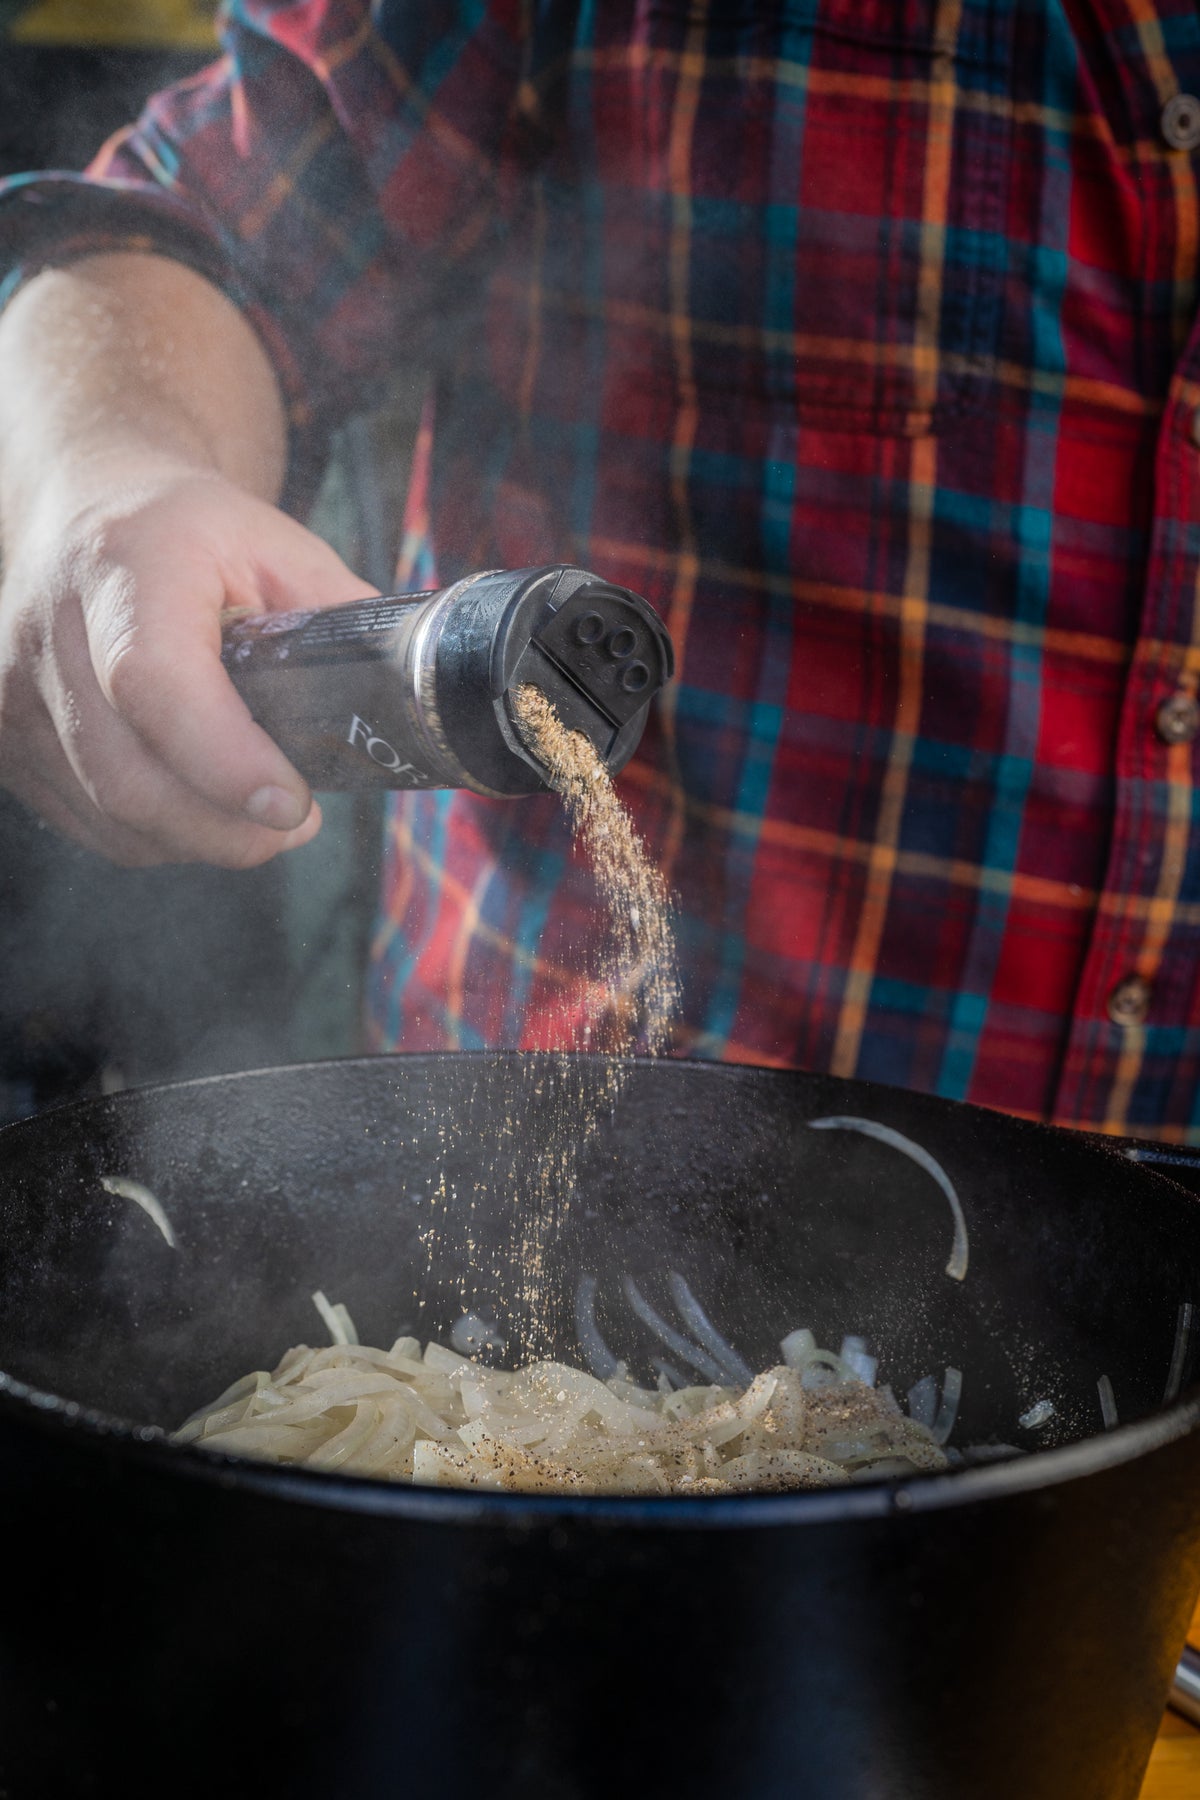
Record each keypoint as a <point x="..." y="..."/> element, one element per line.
<point x="142" y="447"/>
<point x="120" y="358"/>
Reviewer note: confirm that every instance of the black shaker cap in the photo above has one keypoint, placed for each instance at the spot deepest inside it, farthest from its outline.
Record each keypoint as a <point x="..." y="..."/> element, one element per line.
<point x="598" y="652"/>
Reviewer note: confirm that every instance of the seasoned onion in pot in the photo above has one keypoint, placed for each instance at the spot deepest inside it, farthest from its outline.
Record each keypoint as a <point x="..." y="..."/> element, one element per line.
<point x="434" y="1417"/>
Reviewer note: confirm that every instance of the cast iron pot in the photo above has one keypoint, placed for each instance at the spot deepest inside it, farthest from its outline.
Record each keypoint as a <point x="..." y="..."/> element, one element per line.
<point x="174" y="1623"/>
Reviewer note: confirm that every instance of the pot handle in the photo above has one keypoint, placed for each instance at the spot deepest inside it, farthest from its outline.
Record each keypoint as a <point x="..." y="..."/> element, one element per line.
<point x="1185" y="1689"/>
<point x="1181" y="1165"/>
<point x="1176" y="1161"/>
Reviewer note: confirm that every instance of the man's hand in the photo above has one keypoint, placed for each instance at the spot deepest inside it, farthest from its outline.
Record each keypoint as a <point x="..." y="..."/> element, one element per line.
<point x="117" y="721"/>
<point x="142" y="446"/>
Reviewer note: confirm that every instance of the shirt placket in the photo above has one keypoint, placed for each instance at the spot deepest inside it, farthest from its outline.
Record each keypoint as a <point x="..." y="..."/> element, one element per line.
<point x="1134" y="1042"/>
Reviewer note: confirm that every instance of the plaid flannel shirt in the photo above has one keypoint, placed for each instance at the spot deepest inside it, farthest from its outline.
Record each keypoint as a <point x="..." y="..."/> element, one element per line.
<point x="860" y="336"/>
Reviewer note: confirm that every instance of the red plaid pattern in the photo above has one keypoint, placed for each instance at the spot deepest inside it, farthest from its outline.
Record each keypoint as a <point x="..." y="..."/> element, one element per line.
<point x="860" y="335"/>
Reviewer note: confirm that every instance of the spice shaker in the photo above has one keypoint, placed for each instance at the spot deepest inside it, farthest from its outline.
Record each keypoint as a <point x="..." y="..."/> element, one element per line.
<point x="412" y="690"/>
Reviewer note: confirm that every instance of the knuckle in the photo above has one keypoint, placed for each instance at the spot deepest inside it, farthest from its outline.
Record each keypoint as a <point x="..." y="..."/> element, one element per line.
<point x="127" y="669"/>
<point x="106" y="540"/>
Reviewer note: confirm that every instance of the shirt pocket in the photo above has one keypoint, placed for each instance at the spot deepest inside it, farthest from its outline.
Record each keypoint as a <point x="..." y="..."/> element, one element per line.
<point x="827" y="181"/>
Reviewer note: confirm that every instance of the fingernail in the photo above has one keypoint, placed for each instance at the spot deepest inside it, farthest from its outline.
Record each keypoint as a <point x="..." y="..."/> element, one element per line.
<point x="275" y="807"/>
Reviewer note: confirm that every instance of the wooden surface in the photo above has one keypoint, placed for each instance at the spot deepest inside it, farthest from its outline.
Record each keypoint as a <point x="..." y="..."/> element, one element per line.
<point x="1174" y="1772"/>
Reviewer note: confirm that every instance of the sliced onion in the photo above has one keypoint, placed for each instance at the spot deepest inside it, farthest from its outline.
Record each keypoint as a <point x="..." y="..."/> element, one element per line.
<point x="923" y="1401"/>
<point x="734" y="1367"/>
<point x="312" y="1405"/>
<point x="947" y="1413"/>
<point x="240" y="1390"/>
<point x="340" y="1448"/>
<point x="125" y="1189"/>
<point x="797" y="1347"/>
<point x="548" y="1427"/>
<point x="599" y="1358"/>
<point x="1183" y="1333"/>
<point x="824" y="1369"/>
<point x="855" y="1355"/>
<point x="1108" y="1403"/>
<point x="269" y="1441"/>
<point x="690" y="1353"/>
<point x="337" y="1320"/>
<point x="956" y="1268"/>
<point x="389" y="1450"/>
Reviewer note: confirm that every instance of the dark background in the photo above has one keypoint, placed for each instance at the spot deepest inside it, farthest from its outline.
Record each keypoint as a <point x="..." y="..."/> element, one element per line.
<point x="58" y="103"/>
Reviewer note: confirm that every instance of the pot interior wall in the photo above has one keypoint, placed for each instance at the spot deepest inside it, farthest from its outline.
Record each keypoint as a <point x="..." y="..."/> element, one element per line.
<point x="406" y="1187"/>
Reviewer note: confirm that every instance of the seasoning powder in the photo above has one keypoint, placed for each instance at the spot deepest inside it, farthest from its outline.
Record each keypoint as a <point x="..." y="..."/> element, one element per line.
<point x="634" y="995"/>
<point x="626" y="1002"/>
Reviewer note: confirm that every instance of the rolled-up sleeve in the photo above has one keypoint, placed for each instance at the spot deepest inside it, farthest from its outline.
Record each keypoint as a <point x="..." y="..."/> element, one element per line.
<point x="335" y="172"/>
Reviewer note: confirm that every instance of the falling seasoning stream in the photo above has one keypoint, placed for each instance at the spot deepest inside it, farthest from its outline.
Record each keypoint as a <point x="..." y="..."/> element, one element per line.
<point x="626" y="1002"/>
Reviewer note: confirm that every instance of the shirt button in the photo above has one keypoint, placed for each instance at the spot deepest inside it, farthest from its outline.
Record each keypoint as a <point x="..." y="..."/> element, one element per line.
<point x="1178" y="719"/>
<point x="1129" y="1002"/>
<point x="1180" y="122"/>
